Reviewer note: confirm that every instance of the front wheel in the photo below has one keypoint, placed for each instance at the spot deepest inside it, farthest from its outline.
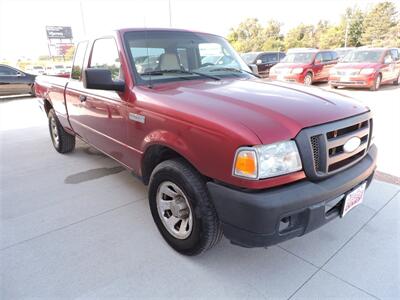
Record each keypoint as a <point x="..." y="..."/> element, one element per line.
<point x="63" y="142"/>
<point x="308" y="79"/>
<point x="377" y="83"/>
<point x="182" y="209"/>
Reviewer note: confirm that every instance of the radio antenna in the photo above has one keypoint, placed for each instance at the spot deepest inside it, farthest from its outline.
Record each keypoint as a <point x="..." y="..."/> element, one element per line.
<point x="148" y="57"/>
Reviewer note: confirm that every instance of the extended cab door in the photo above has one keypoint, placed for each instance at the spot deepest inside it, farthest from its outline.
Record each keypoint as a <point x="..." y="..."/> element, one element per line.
<point x="99" y="115"/>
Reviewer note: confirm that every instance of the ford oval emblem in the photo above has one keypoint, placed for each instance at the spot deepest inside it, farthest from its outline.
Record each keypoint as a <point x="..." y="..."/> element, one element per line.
<point x="352" y="144"/>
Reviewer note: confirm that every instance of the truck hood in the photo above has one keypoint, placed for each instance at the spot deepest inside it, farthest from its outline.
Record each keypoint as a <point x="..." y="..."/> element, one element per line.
<point x="273" y="111"/>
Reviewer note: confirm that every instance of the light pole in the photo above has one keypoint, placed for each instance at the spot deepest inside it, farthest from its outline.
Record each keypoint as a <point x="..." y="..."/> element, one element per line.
<point x="170" y="16"/>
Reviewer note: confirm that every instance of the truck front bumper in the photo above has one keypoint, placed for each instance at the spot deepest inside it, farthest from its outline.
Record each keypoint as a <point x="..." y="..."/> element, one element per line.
<point x="268" y="217"/>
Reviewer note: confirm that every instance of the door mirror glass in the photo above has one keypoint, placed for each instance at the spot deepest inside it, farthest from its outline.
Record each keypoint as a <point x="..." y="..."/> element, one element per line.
<point x="101" y="79"/>
<point x="259" y="62"/>
<point x="387" y="60"/>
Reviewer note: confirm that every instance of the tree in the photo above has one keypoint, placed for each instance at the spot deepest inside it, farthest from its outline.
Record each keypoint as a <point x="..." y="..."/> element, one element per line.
<point x="379" y="24"/>
<point x="273" y="36"/>
<point x="331" y="38"/>
<point x="250" y="35"/>
<point x="301" y="36"/>
<point x="355" y="30"/>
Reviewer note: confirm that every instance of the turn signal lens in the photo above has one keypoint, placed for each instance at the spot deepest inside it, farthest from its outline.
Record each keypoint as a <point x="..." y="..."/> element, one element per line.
<point x="246" y="164"/>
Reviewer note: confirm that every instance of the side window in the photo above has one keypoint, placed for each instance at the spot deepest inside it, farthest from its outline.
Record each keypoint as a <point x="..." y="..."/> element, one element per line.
<point x="264" y="58"/>
<point x="326" y="56"/>
<point x="105" y="55"/>
<point x="318" y="57"/>
<point x="334" y="55"/>
<point x="281" y="56"/>
<point x="4" y="71"/>
<point x="78" y="61"/>
<point x="395" y="54"/>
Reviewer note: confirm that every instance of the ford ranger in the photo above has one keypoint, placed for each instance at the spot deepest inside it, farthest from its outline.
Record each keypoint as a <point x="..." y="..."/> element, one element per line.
<point x="222" y="151"/>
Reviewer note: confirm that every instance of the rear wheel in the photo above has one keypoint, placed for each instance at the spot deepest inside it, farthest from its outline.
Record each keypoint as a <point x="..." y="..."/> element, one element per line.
<point x="63" y="142"/>
<point x="377" y="83"/>
<point x="182" y="209"/>
<point x="308" y="79"/>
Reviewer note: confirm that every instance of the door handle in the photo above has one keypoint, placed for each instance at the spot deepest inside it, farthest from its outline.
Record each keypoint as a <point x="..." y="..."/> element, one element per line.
<point x="82" y="98"/>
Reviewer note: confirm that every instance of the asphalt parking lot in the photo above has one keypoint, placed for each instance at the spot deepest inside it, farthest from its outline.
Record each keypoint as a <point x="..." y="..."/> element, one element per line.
<point x="79" y="226"/>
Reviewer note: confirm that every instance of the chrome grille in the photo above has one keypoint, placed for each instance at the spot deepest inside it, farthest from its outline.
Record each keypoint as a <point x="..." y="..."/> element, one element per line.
<point x="322" y="147"/>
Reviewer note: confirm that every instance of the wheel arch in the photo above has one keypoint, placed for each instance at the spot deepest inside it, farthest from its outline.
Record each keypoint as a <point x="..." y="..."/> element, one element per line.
<point x="155" y="154"/>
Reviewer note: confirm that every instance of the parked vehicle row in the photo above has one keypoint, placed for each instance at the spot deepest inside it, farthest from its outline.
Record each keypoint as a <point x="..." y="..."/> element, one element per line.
<point x="223" y="152"/>
<point x="351" y="67"/>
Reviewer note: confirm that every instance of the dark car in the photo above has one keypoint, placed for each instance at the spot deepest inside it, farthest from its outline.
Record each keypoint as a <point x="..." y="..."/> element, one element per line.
<point x="262" y="61"/>
<point x="15" y="82"/>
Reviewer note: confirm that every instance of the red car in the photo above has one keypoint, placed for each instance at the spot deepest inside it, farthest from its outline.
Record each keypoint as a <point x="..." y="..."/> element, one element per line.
<point x="223" y="152"/>
<point x="304" y="66"/>
<point x="369" y="68"/>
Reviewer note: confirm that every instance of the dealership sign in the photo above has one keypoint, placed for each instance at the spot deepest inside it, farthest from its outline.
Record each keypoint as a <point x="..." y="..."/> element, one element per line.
<point x="59" y="32"/>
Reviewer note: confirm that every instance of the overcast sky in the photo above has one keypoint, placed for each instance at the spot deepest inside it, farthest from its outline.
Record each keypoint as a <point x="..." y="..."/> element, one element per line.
<point x="22" y="22"/>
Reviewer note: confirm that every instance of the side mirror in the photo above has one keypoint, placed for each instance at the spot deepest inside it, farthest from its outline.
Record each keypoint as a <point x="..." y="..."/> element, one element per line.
<point x="101" y="79"/>
<point x="387" y="60"/>
<point x="258" y="61"/>
<point x="317" y="62"/>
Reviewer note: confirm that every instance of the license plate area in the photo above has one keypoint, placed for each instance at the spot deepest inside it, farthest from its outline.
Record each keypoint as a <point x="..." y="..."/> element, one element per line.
<point x="353" y="198"/>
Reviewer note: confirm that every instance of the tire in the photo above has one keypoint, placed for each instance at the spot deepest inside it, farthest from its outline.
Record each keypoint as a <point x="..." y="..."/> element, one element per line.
<point x="397" y="80"/>
<point x="63" y="142"/>
<point x="202" y="228"/>
<point x="32" y="92"/>
<point x="377" y="83"/>
<point x="308" y="79"/>
<point x="333" y="86"/>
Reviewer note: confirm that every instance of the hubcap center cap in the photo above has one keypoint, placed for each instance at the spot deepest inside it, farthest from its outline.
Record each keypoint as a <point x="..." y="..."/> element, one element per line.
<point x="179" y="208"/>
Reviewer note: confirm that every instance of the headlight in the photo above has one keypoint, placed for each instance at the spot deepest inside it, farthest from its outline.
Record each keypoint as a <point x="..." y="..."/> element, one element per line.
<point x="297" y="70"/>
<point x="332" y="71"/>
<point x="367" y="71"/>
<point x="266" y="161"/>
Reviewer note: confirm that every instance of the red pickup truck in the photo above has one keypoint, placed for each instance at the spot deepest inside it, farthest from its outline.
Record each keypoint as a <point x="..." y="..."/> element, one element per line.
<point x="223" y="152"/>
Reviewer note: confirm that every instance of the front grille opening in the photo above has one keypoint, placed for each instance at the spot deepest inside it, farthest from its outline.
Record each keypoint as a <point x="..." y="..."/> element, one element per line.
<point x="334" y="206"/>
<point x="346" y="161"/>
<point x="316" y="152"/>
<point x="342" y="131"/>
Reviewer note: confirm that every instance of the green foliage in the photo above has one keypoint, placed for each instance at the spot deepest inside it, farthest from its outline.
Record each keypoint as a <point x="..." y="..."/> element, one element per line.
<point x="251" y="36"/>
<point x="378" y="26"/>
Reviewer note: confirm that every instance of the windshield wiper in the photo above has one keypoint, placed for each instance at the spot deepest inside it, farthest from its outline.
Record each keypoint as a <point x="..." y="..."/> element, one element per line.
<point x="178" y="71"/>
<point x="233" y="70"/>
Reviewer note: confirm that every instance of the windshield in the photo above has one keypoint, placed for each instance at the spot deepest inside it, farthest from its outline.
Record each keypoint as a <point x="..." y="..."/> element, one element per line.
<point x="371" y="56"/>
<point x="178" y="55"/>
<point x="249" y="57"/>
<point x="300" y="57"/>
